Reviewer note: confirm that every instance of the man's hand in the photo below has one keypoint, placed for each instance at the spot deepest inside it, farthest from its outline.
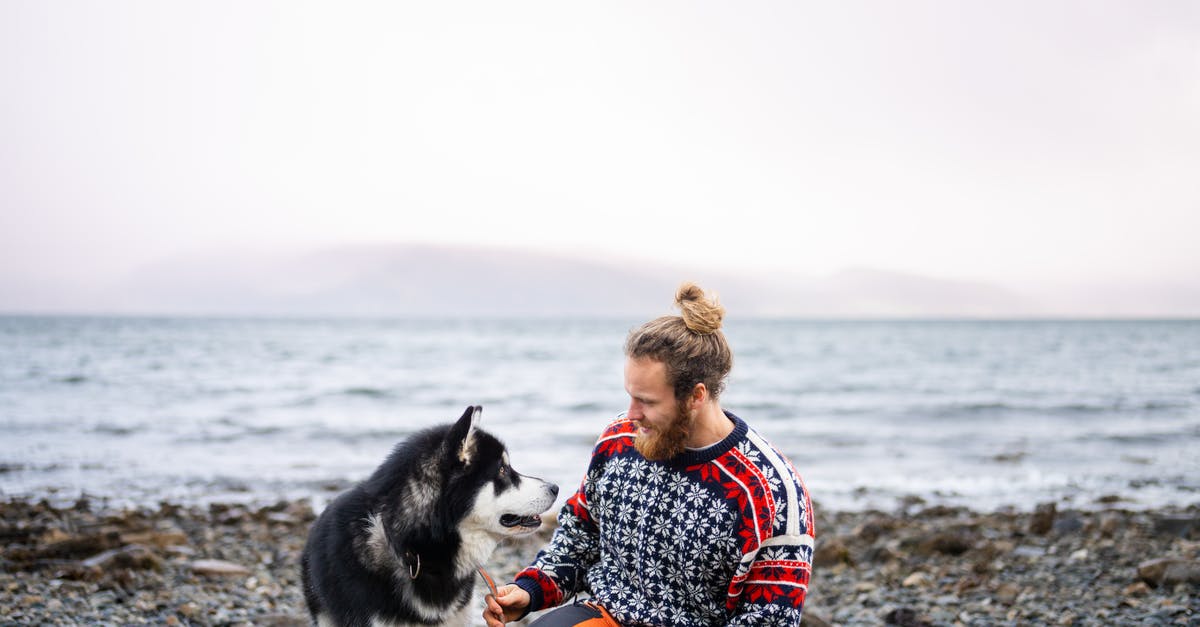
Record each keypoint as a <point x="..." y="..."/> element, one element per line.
<point x="509" y="602"/>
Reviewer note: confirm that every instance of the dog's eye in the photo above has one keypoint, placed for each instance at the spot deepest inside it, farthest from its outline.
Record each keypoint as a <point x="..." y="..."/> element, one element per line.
<point x="503" y="471"/>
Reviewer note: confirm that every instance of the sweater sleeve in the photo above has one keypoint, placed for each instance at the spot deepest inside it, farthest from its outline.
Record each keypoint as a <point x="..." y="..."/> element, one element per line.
<point x="560" y="569"/>
<point x="776" y="584"/>
<point x="771" y="583"/>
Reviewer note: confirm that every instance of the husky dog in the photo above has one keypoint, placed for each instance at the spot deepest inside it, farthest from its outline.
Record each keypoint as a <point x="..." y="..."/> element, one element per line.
<point x="401" y="548"/>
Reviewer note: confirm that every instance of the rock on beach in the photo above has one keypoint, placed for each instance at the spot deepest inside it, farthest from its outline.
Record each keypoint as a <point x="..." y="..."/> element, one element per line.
<point x="219" y="568"/>
<point x="1166" y="571"/>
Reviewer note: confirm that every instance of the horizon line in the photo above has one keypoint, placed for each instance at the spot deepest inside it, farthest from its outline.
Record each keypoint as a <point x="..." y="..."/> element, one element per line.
<point x="597" y="317"/>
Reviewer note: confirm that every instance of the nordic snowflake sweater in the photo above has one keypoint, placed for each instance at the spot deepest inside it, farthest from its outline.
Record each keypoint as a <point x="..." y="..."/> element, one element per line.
<point x="719" y="536"/>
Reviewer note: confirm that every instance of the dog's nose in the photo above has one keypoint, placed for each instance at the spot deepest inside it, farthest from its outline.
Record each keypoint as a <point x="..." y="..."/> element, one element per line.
<point x="553" y="489"/>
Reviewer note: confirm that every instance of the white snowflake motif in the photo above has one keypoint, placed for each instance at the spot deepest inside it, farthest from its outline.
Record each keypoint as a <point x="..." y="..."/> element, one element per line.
<point x="678" y="511"/>
<point x="696" y="496"/>
<point x="626" y="512"/>
<point x="664" y="544"/>
<point x="772" y="476"/>
<point x="658" y="615"/>
<point x="654" y="473"/>
<point x="638" y="605"/>
<point x="704" y="528"/>
<point x="780" y="520"/>
<point x="618" y="589"/>
<point x="773" y="553"/>
<point x="624" y="536"/>
<point x="694" y="588"/>
<point x="654" y="570"/>
<point x="639" y="491"/>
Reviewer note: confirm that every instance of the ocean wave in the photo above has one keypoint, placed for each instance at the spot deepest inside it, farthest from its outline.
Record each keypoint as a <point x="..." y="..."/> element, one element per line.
<point x="1177" y="482"/>
<point x="119" y="430"/>
<point x="1142" y="437"/>
<point x="367" y="392"/>
<point x="209" y="437"/>
<point x="301" y="402"/>
<point x="955" y="410"/>
<point x="588" y="407"/>
<point x="357" y="436"/>
<point x="264" y="430"/>
<point x="1008" y="457"/>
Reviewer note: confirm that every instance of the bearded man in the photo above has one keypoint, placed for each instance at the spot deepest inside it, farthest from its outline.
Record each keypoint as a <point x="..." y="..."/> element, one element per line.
<point x="687" y="516"/>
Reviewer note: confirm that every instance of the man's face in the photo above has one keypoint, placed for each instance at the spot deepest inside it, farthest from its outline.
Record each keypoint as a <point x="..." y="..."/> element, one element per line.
<point x="663" y="423"/>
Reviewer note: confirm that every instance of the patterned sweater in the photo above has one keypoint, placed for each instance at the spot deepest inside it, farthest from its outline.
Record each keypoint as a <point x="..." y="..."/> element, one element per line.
<point x="718" y="536"/>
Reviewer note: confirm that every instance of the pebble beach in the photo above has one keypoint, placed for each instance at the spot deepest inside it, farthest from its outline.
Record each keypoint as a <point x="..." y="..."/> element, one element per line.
<point x="85" y="564"/>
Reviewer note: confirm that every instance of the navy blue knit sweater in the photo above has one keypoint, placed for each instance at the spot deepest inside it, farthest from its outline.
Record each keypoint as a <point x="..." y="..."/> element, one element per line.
<point x="719" y="536"/>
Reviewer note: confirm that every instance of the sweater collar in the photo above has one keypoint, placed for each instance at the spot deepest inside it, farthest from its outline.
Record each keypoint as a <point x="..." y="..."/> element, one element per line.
<point x="705" y="455"/>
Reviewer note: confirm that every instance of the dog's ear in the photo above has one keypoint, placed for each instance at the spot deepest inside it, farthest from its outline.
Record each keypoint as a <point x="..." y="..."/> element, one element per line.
<point x="461" y="438"/>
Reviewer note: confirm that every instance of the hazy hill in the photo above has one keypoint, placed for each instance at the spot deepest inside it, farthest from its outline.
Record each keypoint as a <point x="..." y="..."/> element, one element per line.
<point x="429" y="280"/>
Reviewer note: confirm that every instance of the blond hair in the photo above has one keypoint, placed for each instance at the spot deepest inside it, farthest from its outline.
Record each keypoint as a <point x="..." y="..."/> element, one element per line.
<point x="691" y="346"/>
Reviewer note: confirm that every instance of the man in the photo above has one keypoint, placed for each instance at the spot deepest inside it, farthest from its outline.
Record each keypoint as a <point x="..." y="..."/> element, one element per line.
<point x="686" y="516"/>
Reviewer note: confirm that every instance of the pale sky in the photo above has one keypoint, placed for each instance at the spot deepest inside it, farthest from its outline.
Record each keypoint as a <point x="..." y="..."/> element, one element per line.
<point x="992" y="141"/>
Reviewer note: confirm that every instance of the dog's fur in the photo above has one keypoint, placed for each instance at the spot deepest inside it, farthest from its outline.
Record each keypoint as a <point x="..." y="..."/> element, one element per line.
<point x="401" y="548"/>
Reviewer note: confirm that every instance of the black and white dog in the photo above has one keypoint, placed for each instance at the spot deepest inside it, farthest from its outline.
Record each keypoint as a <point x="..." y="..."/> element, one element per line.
<point x="401" y="548"/>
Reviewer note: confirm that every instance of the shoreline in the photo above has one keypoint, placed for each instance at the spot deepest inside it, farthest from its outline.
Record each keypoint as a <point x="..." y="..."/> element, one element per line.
<point x="235" y="564"/>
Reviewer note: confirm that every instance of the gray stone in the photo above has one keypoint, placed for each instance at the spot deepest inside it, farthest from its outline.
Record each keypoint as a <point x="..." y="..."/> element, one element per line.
<point x="905" y="617"/>
<point x="132" y="556"/>
<point x="1068" y="523"/>
<point x="219" y="568"/>
<point x="295" y="620"/>
<point x="1007" y="593"/>
<point x="947" y="543"/>
<point x="1168" y="571"/>
<point x="1042" y="520"/>
<point x="812" y="619"/>
<point x="1110" y="524"/>
<point x="831" y="551"/>
<point x="1031" y="552"/>
<point x="1175" y="525"/>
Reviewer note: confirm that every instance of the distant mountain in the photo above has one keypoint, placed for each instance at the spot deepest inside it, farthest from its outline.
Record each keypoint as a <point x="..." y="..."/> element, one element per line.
<point x="407" y="280"/>
<point x="863" y="291"/>
<point x="433" y="280"/>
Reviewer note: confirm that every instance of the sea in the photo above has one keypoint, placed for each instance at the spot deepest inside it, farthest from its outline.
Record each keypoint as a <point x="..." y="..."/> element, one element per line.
<point x="134" y="411"/>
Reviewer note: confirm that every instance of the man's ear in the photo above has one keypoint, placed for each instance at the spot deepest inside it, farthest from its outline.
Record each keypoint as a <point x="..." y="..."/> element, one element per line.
<point x="698" y="397"/>
<point x="461" y="438"/>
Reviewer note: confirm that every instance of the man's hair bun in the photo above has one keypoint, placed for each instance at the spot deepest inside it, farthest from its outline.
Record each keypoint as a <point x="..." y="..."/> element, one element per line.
<point x="701" y="314"/>
<point x="691" y="346"/>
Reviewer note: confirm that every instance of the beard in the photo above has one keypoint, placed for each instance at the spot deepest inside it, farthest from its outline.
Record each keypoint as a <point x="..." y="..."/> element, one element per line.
<point x="661" y="445"/>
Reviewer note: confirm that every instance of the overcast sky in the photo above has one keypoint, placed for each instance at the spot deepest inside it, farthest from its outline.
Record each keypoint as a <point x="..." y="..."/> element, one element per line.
<point x="993" y="141"/>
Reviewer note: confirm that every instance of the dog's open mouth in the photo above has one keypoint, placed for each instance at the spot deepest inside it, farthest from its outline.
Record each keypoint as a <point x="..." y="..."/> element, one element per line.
<point x="528" y="522"/>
